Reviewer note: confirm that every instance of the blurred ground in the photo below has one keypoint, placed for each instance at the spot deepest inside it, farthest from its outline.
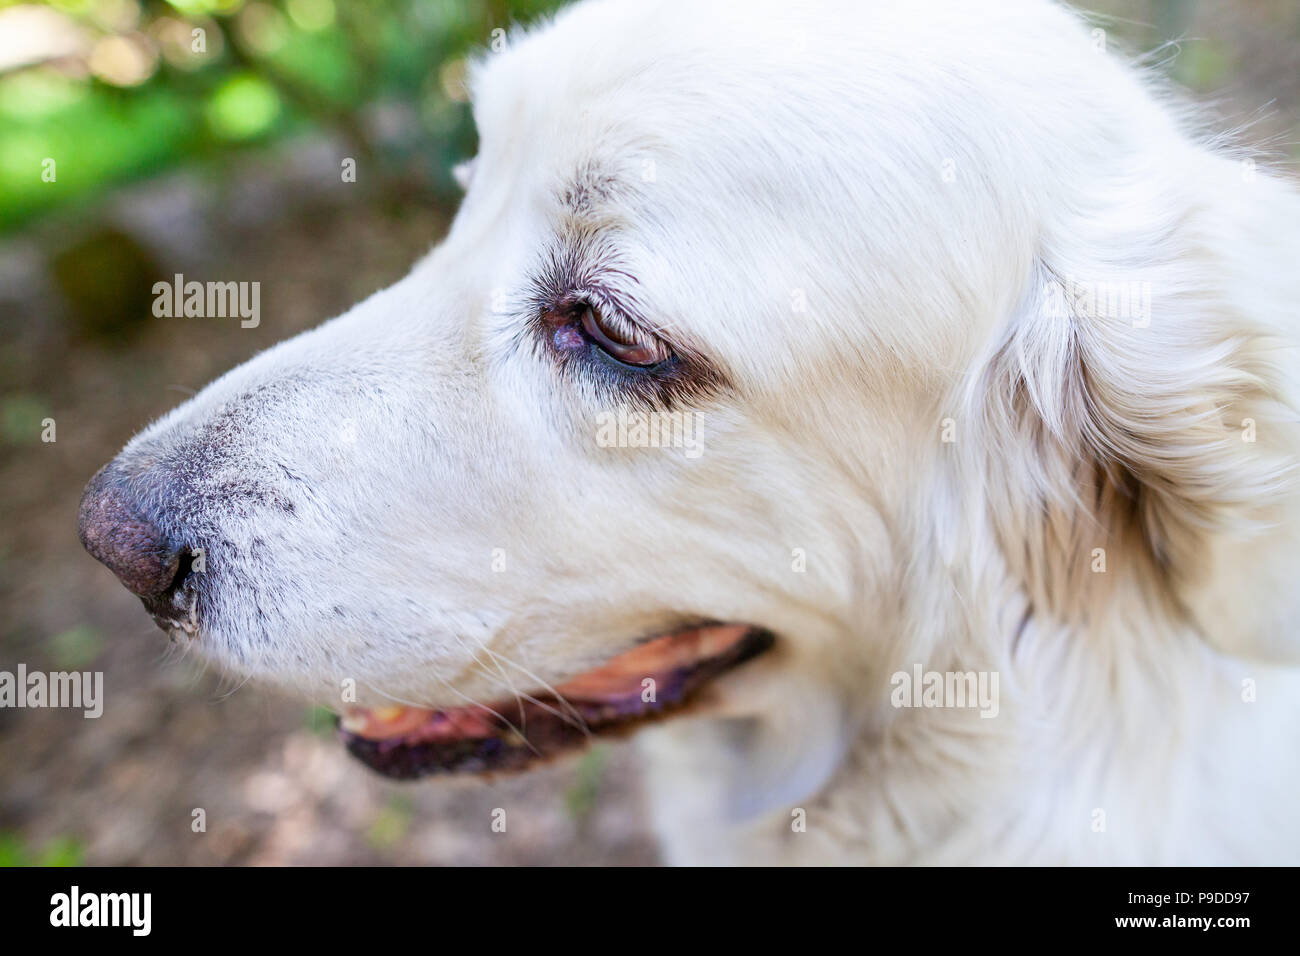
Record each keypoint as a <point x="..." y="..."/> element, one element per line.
<point x="274" y="784"/>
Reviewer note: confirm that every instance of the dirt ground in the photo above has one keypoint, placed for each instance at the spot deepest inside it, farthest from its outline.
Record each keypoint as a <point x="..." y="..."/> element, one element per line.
<point x="274" y="785"/>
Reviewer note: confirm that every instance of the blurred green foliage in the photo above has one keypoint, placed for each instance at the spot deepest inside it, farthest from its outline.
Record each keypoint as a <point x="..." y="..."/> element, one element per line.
<point x="21" y="418"/>
<point x="581" y="797"/>
<point x="391" y="823"/>
<point x="113" y="90"/>
<point x="61" y="851"/>
<point x="321" y="721"/>
<point x="76" y="648"/>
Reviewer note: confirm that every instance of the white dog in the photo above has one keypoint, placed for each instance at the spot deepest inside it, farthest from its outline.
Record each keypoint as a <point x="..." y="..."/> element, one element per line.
<point x="899" y="396"/>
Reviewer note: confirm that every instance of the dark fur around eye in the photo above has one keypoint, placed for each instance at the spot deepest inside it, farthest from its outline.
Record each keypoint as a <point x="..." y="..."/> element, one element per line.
<point x="586" y="272"/>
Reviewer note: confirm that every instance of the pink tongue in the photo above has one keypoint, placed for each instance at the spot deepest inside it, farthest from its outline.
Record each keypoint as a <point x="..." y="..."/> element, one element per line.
<point x="616" y="679"/>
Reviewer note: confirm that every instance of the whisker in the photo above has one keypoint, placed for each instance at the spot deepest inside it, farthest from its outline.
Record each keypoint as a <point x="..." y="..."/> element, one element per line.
<point x="523" y="716"/>
<point x="580" y="722"/>
<point x="574" y="719"/>
<point x="230" y="693"/>
<point x="468" y="699"/>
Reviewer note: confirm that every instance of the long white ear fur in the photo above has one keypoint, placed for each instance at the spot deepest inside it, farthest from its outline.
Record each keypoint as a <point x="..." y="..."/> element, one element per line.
<point x="1137" y="415"/>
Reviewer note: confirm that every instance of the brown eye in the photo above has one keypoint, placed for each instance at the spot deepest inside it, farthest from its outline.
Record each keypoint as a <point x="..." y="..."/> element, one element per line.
<point x="623" y="341"/>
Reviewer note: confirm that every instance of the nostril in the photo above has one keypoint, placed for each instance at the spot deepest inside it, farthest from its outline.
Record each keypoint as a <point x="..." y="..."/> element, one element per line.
<point x="166" y="606"/>
<point x="115" y="531"/>
<point x="184" y="565"/>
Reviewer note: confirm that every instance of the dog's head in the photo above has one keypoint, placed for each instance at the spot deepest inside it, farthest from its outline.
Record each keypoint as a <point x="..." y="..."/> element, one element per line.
<point x="759" y="334"/>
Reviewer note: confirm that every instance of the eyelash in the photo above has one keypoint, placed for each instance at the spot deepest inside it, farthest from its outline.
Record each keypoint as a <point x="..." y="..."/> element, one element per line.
<point x="567" y="313"/>
<point x="565" y="284"/>
<point x="661" y="385"/>
<point x="618" y="323"/>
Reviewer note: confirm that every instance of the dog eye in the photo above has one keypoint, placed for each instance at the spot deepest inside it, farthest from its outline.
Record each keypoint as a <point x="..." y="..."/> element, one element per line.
<point x="621" y="340"/>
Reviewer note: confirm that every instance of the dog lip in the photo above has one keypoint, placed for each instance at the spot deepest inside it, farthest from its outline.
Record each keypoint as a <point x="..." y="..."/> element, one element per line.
<point x="409" y="743"/>
<point x="176" y="610"/>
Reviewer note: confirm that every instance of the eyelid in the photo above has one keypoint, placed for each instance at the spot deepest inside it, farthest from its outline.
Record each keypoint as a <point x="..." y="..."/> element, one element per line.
<point x="620" y="327"/>
<point x="636" y="348"/>
<point x="614" y="315"/>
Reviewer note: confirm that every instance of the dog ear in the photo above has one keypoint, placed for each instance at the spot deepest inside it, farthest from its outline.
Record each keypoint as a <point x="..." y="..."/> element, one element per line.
<point x="1136" y="419"/>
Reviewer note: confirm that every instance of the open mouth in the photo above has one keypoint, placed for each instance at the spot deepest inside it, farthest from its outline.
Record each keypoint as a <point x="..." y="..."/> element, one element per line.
<point x="653" y="679"/>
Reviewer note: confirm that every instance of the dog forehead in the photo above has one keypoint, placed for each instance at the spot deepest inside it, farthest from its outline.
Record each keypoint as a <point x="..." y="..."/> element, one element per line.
<point x="570" y="103"/>
<point x="627" y="75"/>
<point x="588" y="49"/>
<point x="612" y="94"/>
<point x="684" y="138"/>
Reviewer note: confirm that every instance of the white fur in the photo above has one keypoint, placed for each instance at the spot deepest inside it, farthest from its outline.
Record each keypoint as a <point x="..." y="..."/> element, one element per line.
<point x="918" y="174"/>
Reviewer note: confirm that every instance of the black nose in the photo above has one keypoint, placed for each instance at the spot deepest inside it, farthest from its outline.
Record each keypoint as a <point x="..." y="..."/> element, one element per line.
<point x="117" y="531"/>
